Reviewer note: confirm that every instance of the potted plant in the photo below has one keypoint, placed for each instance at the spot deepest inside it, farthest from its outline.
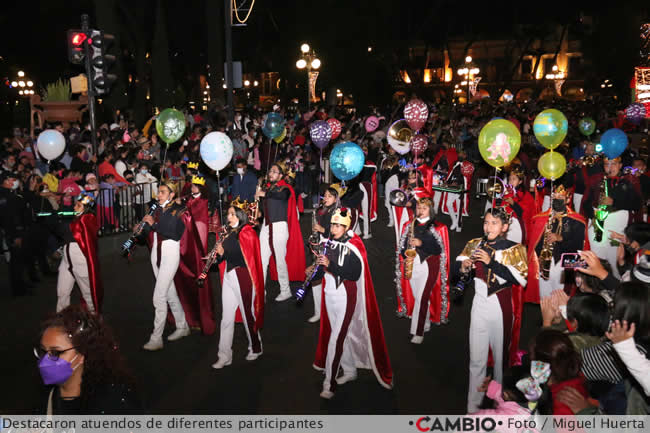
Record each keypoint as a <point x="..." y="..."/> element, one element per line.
<point x="57" y="105"/>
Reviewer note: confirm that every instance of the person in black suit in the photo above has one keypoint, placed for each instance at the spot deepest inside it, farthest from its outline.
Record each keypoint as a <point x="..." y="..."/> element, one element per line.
<point x="244" y="183"/>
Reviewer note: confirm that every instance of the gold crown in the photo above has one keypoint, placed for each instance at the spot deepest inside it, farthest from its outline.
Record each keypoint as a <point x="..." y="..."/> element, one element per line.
<point x="425" y="201"/>
<point x="286" y="169"/>
<point x="342" y="216"/>
<point x="560" y="190"/>
<point x="243" y="205"/>
<point x="173" y="187"/>
<point x="198" y="180"/>
<point x="517" y="171"/>
<point x="339" y="189"/>
<point x="193" y="165"/>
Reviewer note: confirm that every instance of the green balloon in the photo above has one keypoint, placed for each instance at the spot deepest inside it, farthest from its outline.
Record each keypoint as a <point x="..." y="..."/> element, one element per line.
<point x="550" y="128"/>
<point x="587" y="126"/>
<point x="551" y="165"/>
<point x="170" y="125"/>
<point x="499" y="142"/>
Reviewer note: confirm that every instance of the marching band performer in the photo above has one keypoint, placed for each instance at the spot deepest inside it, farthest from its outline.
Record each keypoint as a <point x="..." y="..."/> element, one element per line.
<point x="242" y="282"/>
<point x="587" y="171"/>
<point x="368" y="184"/>
<point x="351" y="334"/>
<point x="520" y="204"/>
<point x="196" y="301"/>
<point x="79" y="262"/>
<point x="424" y="295"/>
<point x="557" y="231"/>
<point x="454" y="204"/>
<point x="403" y="211"/>
<point x="166" y="227"/>
<point x="391" y="175"/>
<point x="444" y="160"/>
<point x="281" y="241"/>
<point x="323" y="217"/>
<point x="609" y="204"/>
<point x="497" y="264"/>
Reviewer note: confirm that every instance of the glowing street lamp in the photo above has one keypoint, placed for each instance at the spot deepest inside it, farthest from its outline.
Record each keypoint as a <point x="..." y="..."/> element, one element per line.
<point x="468" y="72"/>
<point x="309" y="61"/>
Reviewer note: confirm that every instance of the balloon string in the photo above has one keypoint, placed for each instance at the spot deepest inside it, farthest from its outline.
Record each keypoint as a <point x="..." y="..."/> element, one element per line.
<point x="163" y="164"/>
<point x="220" y="198"/>
<point x="320" y="170"/>
<point x="494" y="196"/>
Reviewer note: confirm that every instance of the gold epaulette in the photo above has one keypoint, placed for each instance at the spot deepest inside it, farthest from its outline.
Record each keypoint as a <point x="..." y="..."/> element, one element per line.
<point x="516" y="257"/>
<point x="470" y="247"/>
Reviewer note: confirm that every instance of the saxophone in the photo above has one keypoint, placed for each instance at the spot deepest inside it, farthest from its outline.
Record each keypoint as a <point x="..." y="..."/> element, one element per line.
<point x="602" y="212"/>
<point x="546" y="255"/>
<point x="409" y="253"/>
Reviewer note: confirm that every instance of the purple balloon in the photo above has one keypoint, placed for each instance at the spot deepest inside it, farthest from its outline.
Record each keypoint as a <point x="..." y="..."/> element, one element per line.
<point x="321" y="133"/>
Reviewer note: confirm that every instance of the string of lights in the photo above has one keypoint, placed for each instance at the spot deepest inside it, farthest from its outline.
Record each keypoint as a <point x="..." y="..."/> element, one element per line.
<point x="234" y="4"/>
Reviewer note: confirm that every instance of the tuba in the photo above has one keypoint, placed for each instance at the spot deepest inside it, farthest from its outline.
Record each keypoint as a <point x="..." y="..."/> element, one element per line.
<point x="399" y="136"/>
<point x="409" y="253"/>
<point x="496" y="188"/>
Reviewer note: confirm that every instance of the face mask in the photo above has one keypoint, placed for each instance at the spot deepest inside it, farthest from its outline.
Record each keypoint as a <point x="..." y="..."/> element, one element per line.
<point x="558" y="205"/>
<point x="15" y="185"/>
<point x="423" y="220"/>
<point x="240" y="170"/>
<point x="143" y="171"/>
<point x="196" y="195"/>
<point x="55" y="372"/>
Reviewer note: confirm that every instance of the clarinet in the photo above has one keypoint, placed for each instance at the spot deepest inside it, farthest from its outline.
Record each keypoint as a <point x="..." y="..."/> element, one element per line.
<point x="212" y="256"/>
<point x="129" y="244"/>
<point x="300" y="293"/>
<point x="458" y="290"/>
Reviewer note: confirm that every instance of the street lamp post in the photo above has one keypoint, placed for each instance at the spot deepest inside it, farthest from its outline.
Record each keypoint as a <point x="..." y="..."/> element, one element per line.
<point x="555" y="76"/>
<point x="308" y="60"/>
<point x="24" y="84"/>
<point x="469" y="72"/>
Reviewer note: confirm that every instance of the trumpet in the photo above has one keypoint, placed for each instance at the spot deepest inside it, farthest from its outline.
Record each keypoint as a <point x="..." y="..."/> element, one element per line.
<point x="211" y="258"/>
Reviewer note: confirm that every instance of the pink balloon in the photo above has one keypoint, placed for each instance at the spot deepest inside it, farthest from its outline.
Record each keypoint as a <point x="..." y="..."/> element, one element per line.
<point x="371" y="123"/>
<point x="419" y="143"/>
<point x="416" y="114"/>
<point x="335" y="125"/>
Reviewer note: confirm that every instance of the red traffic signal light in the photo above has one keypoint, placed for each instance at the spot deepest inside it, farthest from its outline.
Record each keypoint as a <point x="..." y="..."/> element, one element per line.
<point x="78" y="39"/>
<point x="76" y="51"/>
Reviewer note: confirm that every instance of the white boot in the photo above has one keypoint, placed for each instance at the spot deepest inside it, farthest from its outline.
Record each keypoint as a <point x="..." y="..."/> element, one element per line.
<point x="316" y="291"/>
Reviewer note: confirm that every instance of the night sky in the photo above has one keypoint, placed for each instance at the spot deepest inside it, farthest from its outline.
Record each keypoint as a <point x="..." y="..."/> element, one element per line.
<point x="34" y="34"/>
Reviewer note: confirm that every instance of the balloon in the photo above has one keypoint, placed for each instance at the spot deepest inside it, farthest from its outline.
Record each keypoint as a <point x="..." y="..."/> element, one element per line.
<point x="216" y="150"/>
<point x="335" y="126"/>
<point x="273" y="125"/>
<point x="419" y="143"/>
<point x="614" y="142"/>
<point x="371" y="123"/>
<point x="416" y="114"/>
<point x="635" y="112"/>
<point x="170" y="125"/>
<point x="587" y="126"/>
<point x="281" y="137"/>
<point x="399" y="136"/>
<point x="551" y="165"/>
<point x="499" y="142"/>
<point x="50" y="144"/>
<point x="320" y="133"/>
<point x="550" y="128"/>
<point x="346" y="160"/>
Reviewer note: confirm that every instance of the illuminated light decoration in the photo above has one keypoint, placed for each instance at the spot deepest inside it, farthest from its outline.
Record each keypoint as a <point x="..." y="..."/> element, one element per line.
<point x="247" y="83"/>
<point x="21" y="74"/>
<point x="427" y="76"/>
<point x="224" y="86"/>
<point x="301" y="64"/>
<point x="21" y="83"/>
<point x="14" y="84"/>
<point x="468" y="59"/>
<point x="405" y="77"/>
<point x="599" y="147"/>
<point x="313" y="76"/>
<point x="315" y="63"/>
<point x="20" y="92"/>
<point x="205" y="92"/>
<point x="370" y="49"/>
<point x="30" y="83"/>
<point x="255" y="83"/>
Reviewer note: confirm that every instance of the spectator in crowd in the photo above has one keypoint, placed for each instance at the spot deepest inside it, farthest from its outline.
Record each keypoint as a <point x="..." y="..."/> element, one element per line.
<point x="13" y="215"/>
<point x="244" y="183"/>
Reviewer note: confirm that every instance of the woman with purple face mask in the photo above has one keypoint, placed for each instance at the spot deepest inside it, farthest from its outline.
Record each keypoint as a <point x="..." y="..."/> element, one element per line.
<point x="80" y="359"/>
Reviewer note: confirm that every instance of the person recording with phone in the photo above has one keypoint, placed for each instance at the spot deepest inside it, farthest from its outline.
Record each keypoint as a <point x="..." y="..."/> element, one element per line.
<point x="497" y="265"/>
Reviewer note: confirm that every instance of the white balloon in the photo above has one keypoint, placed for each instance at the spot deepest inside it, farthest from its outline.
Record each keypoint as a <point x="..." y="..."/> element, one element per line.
<point x="216" y="150"/>
<point x="50" y="144"/>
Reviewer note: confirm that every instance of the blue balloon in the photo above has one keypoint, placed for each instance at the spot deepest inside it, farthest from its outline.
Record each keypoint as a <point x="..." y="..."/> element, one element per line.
<point x="273" y="125"/>
<point x="346" y="160"/>
<point x="614" y="142"/>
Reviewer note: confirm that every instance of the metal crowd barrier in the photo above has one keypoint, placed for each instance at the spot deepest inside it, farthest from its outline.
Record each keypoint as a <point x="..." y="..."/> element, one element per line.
<point x="121" y="208"/>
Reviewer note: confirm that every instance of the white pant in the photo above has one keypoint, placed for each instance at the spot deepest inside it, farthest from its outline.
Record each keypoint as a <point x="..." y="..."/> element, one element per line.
<point x="437" y="195"/>
<point x="231" y="300"/>
<point x="164" y="292"/>
<point x="454" y="199"/>
<point x="280" y="239"/>
<point x="554" y="281"/>
<point x="316" y="292"/>
<point x="391" y="184"/>
<point x="365" y="210"/>
<point x="418" y="282"/>
<point x="66" y="280"/>
<point x="616" y="222"/>
<point x="336" y="301"/>
<point x="577" y="202"/>
<point x="485" y="332"/>
<point x="546" y="204"/>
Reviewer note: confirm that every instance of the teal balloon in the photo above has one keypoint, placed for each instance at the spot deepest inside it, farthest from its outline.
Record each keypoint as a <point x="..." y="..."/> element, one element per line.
<point x="614" y="142"/>
<point x="346" y="160"/>
<point x="587" y="126"/>
<point x="550" y="128"/>
<point x="170" y="125"/>
<point x="273" y="125"/>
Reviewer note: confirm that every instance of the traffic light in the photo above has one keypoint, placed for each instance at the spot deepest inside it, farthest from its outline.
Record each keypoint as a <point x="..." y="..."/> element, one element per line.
<point x="100" y="61"/>
<point x="76" y="39"/>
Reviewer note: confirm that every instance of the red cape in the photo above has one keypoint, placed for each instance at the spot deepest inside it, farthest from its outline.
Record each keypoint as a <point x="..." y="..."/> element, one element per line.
<point x="450" y="154"/>
<point x="84" y="231"/>
<point x="250" y="247"/>
<point x="427" y="176"/>
<point x="537" y="226"/>
<point x="197" y="301"/>
<point x="439" y="307"/>
<point x="373" y="195"/>
<point x="367" y="329"/>
<point x="295" y="246"/>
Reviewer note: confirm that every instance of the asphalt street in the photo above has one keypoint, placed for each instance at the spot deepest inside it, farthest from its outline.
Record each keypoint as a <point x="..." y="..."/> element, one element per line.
<point x="430" y="378"/>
